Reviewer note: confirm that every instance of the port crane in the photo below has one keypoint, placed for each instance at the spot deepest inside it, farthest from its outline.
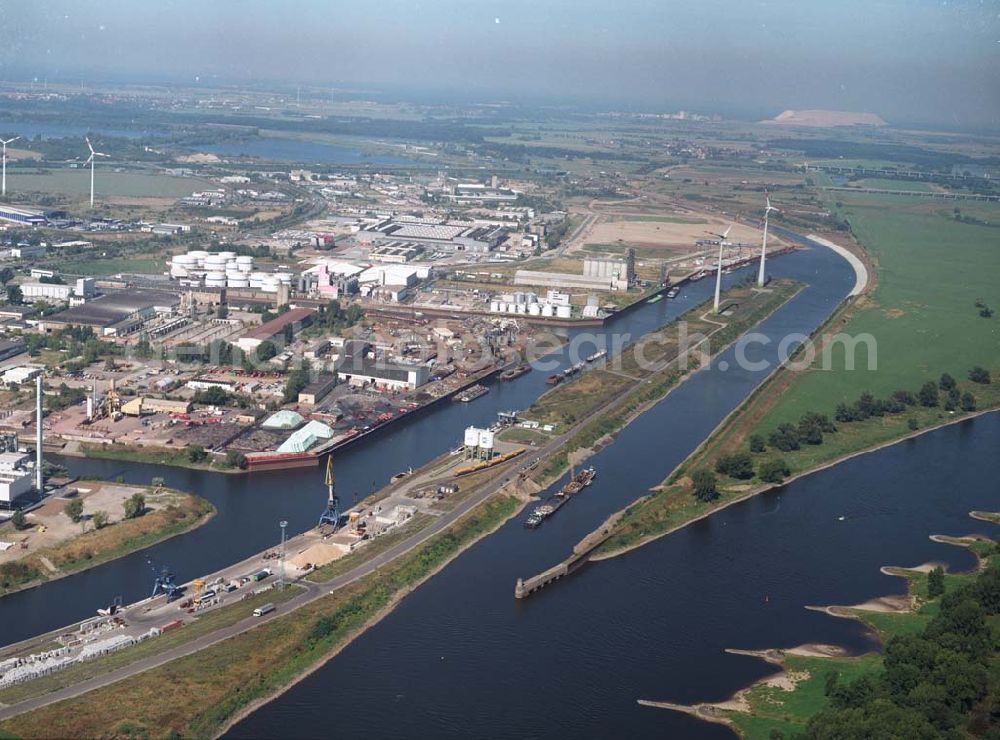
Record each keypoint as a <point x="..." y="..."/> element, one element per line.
<point x="330" y="515"/>
<point x="164" y="583"/>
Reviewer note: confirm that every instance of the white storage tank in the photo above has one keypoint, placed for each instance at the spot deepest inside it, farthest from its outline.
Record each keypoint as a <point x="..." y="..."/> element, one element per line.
<point x="215" y="280"/>
<point x="237" y="281"/>
<point x="564" y="312"/>
<point x="485" y="439"/>
<point x="228" y="256"/>
<point x="472" y="437"/>
<point x="245" y="262"/>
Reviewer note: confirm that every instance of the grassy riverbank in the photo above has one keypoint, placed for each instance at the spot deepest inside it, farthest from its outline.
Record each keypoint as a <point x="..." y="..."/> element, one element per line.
<point x="926" y="327"/>
<point x="96" y="546"/>
<point x="933" y="684"/>
<point x="155" y="456"/>
<point x="199" y="694"/>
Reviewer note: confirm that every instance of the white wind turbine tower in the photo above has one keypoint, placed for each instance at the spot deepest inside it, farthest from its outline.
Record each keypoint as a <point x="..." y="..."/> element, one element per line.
<point x="718" y="272"/>
<point x="763" y="248"/>
<point x="5" y="143"/>
<point x="90" y="161"/>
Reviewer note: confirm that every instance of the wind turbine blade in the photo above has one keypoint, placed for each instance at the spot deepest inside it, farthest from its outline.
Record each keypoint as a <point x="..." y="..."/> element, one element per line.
<point x="726" y="234"/>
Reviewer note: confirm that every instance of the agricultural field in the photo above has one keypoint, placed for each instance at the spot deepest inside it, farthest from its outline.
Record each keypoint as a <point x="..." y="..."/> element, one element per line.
<point x="107" y="183"/>
<point x="139" y="264"/>
<point x="931" y="269"/>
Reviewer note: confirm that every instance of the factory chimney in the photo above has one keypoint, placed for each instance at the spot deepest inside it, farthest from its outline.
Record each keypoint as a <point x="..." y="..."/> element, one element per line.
<point x="39" y="479"/>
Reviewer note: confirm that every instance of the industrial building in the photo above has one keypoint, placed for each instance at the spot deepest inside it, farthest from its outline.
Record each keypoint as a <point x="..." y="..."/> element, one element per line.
<point x="356" y="366"/>
<point x="83" y="289"/>
<point x="11" y="347"/>
<point x="24" y="216"/>
<point x="114" y="314"/>
<point x="396" y="251"/>
<point x="447" y="236"/>
<point x="15" y="477"/>
<point x="479" y="193"/>
<point x="317" y="390"/>
<point x="297" y="318"/>
<point x="599" y="274"/>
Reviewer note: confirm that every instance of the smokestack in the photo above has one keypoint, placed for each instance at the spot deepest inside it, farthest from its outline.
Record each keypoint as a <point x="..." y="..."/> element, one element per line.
<point x="39" y="480"/>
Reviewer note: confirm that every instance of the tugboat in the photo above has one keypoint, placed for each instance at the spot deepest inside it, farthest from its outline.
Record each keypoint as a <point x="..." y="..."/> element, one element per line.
<point x="673" y="292"/>
<point x="472" y="393"/>
<point x="577" y="482"/>
<point x="515" y="372"/>
<point x="554" y="379"/>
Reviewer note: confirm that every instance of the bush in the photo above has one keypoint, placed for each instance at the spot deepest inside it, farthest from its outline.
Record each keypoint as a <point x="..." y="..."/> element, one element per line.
<point x="757" y="443"/>
<point x="928" y="395"/>
<point x="74" y="510"/>
<point x="947" y="382"/>
<point x="738" y="465"/>
<point x="19" y="520"/>
<point x="845" y="413"/>
<point x="979" y="375"/>
<point x="774" y="470"/>
<point x="704" y="485"/>
<point x="197" y="454"/>
<point x="905" y="397"/>
<point x="784" y="438"/>
<point x="913" y="424"/>
<point x="100" y="519"/>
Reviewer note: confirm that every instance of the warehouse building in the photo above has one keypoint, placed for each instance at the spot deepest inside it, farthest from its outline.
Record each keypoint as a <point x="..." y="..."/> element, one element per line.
<point x="114" y="314"/>
<point x="296" y="318"/>
<point x="447" y="236"/>
<point x="24" y="216"/>
<point x="356" y="366"/>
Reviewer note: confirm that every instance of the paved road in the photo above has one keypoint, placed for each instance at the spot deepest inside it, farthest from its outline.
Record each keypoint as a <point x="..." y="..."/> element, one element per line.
<point x="314" y="591"/>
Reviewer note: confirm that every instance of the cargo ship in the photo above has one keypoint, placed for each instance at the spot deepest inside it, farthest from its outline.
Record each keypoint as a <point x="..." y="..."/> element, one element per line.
<point x="673" y="292"/>
<point x="576" y="483"/>
<point x="597" y="355"/>
<point x="515" y="372"/>
<point x="656" y="298"/>
<point x="472" y="393"/>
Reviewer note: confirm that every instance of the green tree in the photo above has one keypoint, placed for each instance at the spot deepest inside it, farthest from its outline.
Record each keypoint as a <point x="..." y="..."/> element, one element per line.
<point x="784" y="438"/>
<point x="968" y="402"/>
<point x="704" y="485"/>
<point x="74" y="509"/>
<point x="197" y="454"/>
<point x="928" y="394"/>
<point x="774" y="470"/>
<point x="14" y="295"/>
<point x="947" y="382"/>
<point x="135" y="506"/>
<point x="737" y="465"/>
<point x="935" y="582"/>
<point x="6" y="275"/>
<point x="266" y="350"/>
<point x="100" y="519"/>
<point x="19" y="520"/>
<point x="236" y="459"/>
<point x="757" y="444"/>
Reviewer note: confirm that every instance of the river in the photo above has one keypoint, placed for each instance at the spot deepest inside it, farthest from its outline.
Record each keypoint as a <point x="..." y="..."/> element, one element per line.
<point x="461" y="657"/>
<point x="298" y="150"/>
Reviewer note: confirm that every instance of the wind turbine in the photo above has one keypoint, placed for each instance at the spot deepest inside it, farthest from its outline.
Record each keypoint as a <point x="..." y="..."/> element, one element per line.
<point x="763" y="248"/>
<point x="90" y="161"/>
<point x="5" y="143"/>
<point x="718" y="272"/>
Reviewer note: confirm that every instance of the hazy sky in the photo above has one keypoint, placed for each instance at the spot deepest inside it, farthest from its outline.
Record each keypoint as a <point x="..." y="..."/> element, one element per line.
<point x="907" y="60"/>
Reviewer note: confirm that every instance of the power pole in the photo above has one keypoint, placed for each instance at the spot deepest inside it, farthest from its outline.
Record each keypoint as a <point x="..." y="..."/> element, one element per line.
<point x="281" y="570"/>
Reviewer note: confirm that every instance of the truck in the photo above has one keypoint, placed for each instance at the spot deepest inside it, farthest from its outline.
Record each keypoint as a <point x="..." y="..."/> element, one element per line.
<point x="260" y="611"/>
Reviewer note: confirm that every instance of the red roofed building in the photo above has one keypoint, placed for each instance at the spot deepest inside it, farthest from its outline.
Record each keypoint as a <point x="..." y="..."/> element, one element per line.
<point x="297" y="318"/>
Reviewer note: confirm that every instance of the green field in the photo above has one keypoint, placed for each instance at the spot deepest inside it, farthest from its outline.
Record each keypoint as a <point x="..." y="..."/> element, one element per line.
<point x="883" y="184"/>
<point x="113" y="266"/>
<point x="931" y="271"/>
<point x="106" y="182"/>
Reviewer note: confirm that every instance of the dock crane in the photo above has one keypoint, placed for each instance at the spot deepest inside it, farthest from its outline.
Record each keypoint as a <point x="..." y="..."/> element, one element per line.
<point x="330" y="515"/>
<point x="164" y="582"/>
